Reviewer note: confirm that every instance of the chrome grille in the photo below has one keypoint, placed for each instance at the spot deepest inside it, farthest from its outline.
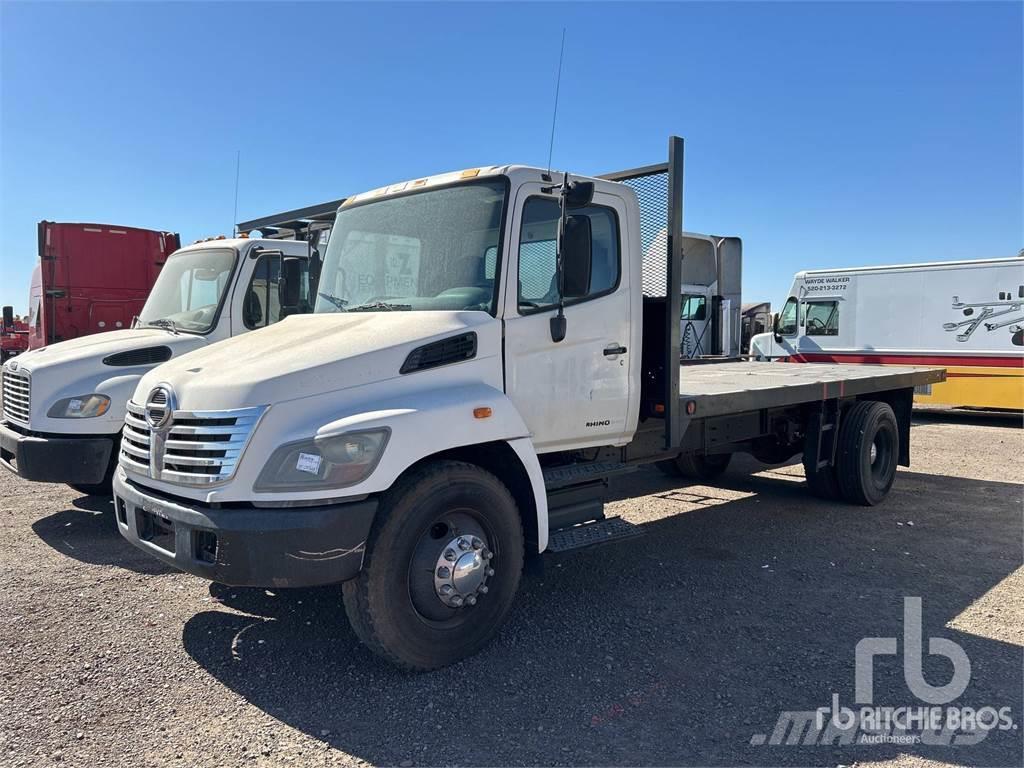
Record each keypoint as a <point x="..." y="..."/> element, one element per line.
<point x="195" y="448"/>
<point x="17" y="388"/>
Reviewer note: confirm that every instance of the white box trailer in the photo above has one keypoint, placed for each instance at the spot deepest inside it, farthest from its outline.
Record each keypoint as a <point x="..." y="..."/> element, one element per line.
<point x="966" y="316"/>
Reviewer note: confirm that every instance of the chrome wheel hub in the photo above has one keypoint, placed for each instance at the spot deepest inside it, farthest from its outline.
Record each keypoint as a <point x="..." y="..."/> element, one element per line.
<point x="462" y="570"/>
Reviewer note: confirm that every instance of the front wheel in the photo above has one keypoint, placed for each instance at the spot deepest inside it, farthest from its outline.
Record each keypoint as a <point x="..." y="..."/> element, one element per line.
<point x="442" y="567"/>
<point x="104" y="487"/>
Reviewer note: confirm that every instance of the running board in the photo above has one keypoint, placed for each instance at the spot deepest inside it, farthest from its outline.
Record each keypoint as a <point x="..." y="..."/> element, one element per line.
<point x="592" y="534"/>
<point x="575" y="474"/>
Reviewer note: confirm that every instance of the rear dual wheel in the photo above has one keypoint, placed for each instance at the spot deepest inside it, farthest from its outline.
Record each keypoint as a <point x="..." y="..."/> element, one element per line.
<point x="866" y="456"/>
<point x="442" y="567"/>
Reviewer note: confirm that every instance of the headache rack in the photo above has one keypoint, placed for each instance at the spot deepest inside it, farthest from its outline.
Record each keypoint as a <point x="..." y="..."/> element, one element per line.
<point x="659" y="191"/>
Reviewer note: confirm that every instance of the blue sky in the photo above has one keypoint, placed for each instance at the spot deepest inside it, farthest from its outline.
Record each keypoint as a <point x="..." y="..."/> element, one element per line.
<point x="824" y="134"/>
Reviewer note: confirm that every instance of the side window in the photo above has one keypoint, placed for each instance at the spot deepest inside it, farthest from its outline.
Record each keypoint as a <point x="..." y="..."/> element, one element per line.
<point x="262" y="304"/>
<point x="787" y="319"/>
<point x="821" y="318"/>
<point x="694" y="307"/>
<point x="538" y="287"/>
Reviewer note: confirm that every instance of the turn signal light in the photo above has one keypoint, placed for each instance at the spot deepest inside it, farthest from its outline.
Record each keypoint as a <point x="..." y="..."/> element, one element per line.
<point x="482" y="413"/>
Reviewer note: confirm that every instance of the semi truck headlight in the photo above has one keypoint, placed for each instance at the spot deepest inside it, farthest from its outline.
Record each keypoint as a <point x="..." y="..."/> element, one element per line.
<point x="81" y="407"/>
<point x="324" y="462"/>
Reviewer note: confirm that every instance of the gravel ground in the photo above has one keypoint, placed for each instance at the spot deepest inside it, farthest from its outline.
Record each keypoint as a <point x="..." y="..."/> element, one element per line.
<point x="676" y="648"/>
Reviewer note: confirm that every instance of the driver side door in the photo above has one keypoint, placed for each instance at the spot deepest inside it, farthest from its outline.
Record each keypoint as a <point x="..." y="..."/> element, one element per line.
<point x="573" y="393"/>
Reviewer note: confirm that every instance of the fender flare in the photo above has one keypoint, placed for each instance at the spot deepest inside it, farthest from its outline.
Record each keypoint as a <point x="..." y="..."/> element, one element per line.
<point x="447" y="417"/>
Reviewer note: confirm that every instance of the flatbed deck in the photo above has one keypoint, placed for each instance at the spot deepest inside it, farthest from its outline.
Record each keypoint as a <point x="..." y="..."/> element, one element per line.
<point x="734" y="387"/>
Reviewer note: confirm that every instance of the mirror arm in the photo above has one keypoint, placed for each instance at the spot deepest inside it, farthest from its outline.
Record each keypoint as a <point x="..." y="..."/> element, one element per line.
<point x="558" y="324"/>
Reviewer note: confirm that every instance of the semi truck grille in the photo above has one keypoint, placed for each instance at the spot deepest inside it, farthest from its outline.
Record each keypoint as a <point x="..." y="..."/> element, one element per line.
<point x="194" y="448"/>
<point x="17" y="389"/>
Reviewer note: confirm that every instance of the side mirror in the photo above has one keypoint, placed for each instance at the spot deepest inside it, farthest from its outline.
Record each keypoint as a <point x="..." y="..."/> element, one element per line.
<point x="8" y="318"/>
<point x="289" y="286"/>
<point x="775" y="328"/>
<point x="576" y="260"/>
<point x="580" y="194"/>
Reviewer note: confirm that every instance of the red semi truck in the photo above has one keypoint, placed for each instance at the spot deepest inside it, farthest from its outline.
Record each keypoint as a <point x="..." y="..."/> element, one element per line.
<point x="92" y="278"/>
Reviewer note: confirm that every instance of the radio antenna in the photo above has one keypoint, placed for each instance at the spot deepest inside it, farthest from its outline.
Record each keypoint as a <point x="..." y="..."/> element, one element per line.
<point x="238" y="166"/>
<point x="558" y="85"/>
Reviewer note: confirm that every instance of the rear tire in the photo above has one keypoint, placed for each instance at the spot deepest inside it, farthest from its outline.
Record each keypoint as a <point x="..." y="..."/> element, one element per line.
<point x="706" y="467"/>
<point x="869" y="445"/>
<point x="822" y="482"/>
<point x="395" y="604"/>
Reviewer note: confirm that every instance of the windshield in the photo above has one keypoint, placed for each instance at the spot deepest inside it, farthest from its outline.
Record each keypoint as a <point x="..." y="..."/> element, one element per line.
<point x="189" y="290"/>
<point x="435" y="249"/>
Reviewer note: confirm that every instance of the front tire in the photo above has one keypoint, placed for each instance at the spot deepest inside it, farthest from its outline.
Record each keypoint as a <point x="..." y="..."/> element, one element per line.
<point x="442" y="567"/>
<point x="104" y="487"/>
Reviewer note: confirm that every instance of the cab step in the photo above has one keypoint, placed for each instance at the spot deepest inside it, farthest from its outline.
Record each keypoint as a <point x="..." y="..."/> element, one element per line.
<point x="592" y="534"/>
<point x="576" y="474"/>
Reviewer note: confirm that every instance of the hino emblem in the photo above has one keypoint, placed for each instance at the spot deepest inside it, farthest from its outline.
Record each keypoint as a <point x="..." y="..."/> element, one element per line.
<point x="159" y="407"/>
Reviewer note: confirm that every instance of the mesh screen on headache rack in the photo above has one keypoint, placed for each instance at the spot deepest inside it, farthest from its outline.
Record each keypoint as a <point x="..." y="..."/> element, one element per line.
<point x="652" y="193"/>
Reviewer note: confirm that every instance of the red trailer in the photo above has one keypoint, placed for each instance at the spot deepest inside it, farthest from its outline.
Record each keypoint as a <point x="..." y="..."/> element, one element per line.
<point x="92" y="278"/>
<point x="13" y="335"/>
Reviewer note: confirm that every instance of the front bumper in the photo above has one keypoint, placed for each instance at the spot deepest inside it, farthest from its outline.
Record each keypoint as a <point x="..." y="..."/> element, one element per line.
<point x="49" y="459"/>
<point x="280" y="547"/>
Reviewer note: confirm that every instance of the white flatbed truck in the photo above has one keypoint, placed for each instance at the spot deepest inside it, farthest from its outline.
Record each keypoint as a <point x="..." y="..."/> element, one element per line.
<point x="480" y="362"/>
<point x="63" y="405"/>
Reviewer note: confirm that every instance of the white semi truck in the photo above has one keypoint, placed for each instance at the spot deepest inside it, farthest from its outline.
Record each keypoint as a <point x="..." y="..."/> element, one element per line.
<point x="64" y="404"/>
<point x="481" y="360"/>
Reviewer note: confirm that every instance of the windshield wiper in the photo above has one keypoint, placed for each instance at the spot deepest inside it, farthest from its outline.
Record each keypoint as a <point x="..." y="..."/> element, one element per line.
<point x="337" y="302"/>
<point x="164" y="323"/>
<point x="373" y="306"/>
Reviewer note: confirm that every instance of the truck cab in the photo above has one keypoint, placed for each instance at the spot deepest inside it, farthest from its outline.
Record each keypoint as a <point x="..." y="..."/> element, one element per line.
<point x="809" y="321"/>
<point x="485" y="352"/>
<point x="63" y="404"/>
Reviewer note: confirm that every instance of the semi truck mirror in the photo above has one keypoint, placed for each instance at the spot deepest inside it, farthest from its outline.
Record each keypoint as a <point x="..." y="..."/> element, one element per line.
<point x="580" y="194"/>
<point x="576" y="257"/>
<point x="775" y="328"/>
<point x="289" y="286"/>
<point x="8" y="318"/>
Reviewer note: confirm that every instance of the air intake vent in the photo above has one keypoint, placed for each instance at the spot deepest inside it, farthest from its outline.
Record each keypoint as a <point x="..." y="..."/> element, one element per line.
<point x="453" y="350"/>
<point x="145" y="356"/>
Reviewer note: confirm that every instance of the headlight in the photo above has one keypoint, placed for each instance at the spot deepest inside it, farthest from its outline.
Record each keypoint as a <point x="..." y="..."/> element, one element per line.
<point x="81" y="407"/>
<point x="324" y="462"/>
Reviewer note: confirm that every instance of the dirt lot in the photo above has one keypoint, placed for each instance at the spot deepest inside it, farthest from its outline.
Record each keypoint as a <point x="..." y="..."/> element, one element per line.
<point x="680" y="647"/>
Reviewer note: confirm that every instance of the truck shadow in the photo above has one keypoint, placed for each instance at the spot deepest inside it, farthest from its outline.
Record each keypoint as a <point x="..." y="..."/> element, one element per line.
<point x="679" y="647"/>
<point x="88" y="533"/>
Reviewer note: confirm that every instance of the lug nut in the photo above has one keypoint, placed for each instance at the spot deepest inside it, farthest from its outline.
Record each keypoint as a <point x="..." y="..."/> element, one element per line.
<point x="477" y="544"/>
<point x="443" y="572"/>
<point x="490" y="571"/>
<point x="463" y="544"/>
<point x="484" y="589"/>
<point x="471" y="600"/>
<point x="456" y="601"/>
<point x="447" y="589"/>
<point x="449" y="555"/>
<point x="488" y="554"/>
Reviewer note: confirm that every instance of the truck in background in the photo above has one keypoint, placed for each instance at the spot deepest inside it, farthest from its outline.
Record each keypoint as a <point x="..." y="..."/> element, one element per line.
<point x="967" y="316"/>
<point x="63" y="405"/>
<point x="92" y="278"/>
<point x="13" y="335"/>
<point x="483" y="357"/>
<point x="755" y="318"/>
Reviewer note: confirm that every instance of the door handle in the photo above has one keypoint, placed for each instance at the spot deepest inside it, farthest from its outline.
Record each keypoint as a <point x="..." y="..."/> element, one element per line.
<point x="616" y="349"/>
